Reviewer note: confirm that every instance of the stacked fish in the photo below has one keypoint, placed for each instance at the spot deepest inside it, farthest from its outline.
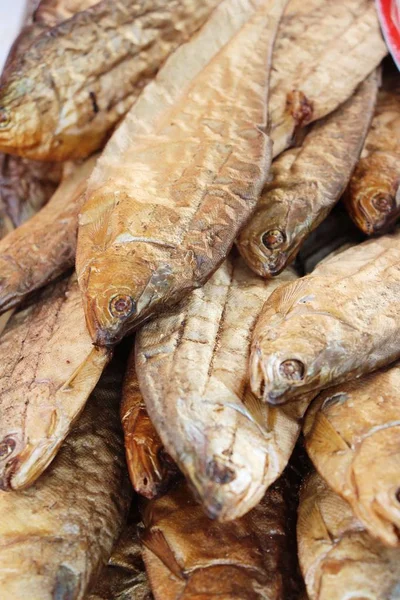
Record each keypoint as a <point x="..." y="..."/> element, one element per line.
<point x="142" y="140"/>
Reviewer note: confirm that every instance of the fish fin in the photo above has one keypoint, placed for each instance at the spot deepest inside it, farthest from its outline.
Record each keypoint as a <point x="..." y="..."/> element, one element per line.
<point x="258" y="410"/>
<point x="319" y="532"/>
<point x="324" y="435"/>
<point x="155" y="541"/>
<point x="84" y="370"/>
<point x="99" y="229"/>
<point x="288" y="294"/>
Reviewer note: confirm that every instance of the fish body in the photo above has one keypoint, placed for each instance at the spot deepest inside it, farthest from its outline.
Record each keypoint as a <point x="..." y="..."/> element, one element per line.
<point x="49" y="368"/>
<point x="61" y="531"/>
<point x="336" y="324"/>
<point x="192" y="366"/>
<point x="306" y="183"/>
<point x="373" y="196"/>
<point x="53" y="12"/>
<point x="338" y="559"/>
<point x="187" y="556"/>
<point x="352" y="432"/>
<point x="44" y="247"/>
<point x="195" y="156"/>
<point x="59" y="100"/>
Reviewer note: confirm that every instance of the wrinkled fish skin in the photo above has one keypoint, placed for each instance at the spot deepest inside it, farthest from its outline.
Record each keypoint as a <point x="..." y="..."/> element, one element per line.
<point x="60" y="531"/>
<point x="49" y="368"/>
<point x="150" y="467"/>
<point x="44" y="247"/>
<point x="306" y="183"/>
<point x="323" y="51"/>
<point x="331" y="326"/>
<point x="151" y="233"/>
<point x="352" y="434"/>
<point x="60" y="101"/>
<point x="189" y="557"/>
<point x="192" y="367"/>
<point x="53" y="12"/>
<point x="373" y="195"/>
<point x="338" y="558"/>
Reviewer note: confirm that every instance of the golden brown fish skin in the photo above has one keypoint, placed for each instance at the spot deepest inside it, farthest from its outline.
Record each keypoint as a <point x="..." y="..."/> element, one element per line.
<point x="331" y="326"/>
<point x="192" y="366"/>
<point x="338" y="558"/>
<point x="44" y="247"/>
<point x="150" y="468"/>
<point x="154" y="232"/>
<point x="49" y="368"/>
<point x="53" y="109"/>
<point x="306" y="184"/>
<point x="187" y="556"/>
<point x="53" y="12"/>
<point x="323" y="51"/>
<point x="352" y="431"/>
<point x="124" y="577"/>
<point x="61" y="531"/>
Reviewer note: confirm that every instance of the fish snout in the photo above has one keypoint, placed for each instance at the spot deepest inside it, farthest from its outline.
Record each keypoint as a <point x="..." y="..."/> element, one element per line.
<point x="9" y="460"/>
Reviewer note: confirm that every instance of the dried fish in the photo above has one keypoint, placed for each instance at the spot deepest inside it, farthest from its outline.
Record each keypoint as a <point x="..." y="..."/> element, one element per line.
<point x="373" y="196"/>
<point x="352" y="435"/>
<point x="44" y="247"/>
<point x="323" y="51"/>
<point x="152" y="231"/>
<point x="49" y="368"/>
<point x="53" y="12"/>
<point x="191" y="365"/>
<point x="188" y="556"/>
<point x="60" y="101"/>
<point x="150" y="467"/>
<point x="338" y="558"/>
<point x="59" y="532"/>
<point x="336" y="324"/>
<point x="306" y="183"/>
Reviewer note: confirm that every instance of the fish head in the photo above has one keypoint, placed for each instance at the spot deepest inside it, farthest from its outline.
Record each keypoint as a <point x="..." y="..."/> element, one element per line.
<point x="11" y="445"/>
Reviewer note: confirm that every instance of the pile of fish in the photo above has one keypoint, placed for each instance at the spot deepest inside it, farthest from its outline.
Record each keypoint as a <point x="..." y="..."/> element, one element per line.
<point x="200" y="344"/>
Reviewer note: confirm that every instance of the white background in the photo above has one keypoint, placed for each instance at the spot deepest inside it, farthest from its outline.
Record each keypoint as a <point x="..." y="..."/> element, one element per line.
<point x="11" y="15"/>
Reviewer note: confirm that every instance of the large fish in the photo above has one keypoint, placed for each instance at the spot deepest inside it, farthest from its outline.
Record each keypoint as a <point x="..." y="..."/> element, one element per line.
<point x="338" y="323"/>
<point x="60" y="532"/>
<point x="49" y="367"/>
<point x="180" y="175"/>
<point x="338" y="558"/>
<point x="192" y="367"/>
<point x="352" y="434"/>
<point x="373" y="195"/>
<point x="189" y="557"/>
<point x="59" y="100"/>
<point x="43" y="247"/>
<point x="306" y="183"/>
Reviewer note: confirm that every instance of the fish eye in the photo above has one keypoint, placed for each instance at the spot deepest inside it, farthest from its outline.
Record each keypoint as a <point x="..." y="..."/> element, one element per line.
<point x="292" y="369"/>
<point x="383" y="202"/>
<point x="122" y="306"/>
<point x="4" y="117"/>
<point x="273" y="239"/>
<point x="7" y="447"/>
<point x="397" y="495"/>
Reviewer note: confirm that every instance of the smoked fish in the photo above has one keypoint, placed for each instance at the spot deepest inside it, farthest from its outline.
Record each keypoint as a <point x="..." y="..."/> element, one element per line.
<point x="192" y="369"/>
<point x="61" y="531"/>
<point x="49" y="368"/>
<point x="181" y="174"/>
<point x="150" y="467"/>
<point x="323" y="51"/>
<point x="352" y="432"/>
<point x="373" y="195"/>
<point x="60" y="101"/>
<point x="187" y="556"/>
<point x="306" y="183"/>
<point x="44" y="247"/>
<point x="336" y="324"/>
<point x="338" y="559"/>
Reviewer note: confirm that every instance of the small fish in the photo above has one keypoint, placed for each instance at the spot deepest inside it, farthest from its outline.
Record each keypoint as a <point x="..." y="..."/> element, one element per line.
<point x="180" y="175"/>
<point x="306" y="183"/>
<point x="190" y="557"/>
<point x="373" y="196"/>
<point x="61" y="531"/>
<point x="352" y="435"/>
<point x="49" y="368"/>
<point x="150" y="467"/>
<point x="336" y="324"/>
<point x="59" y="101"/>
<point x="44" y="247"/>
<point x="338" y="558"/>
<point x="191" y="364"/>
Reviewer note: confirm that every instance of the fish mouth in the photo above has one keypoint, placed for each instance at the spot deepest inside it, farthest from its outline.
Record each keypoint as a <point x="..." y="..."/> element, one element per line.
<point x="7" y="474"/>
<point x="31" y="463"/>
<point x="259" y="381"/>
